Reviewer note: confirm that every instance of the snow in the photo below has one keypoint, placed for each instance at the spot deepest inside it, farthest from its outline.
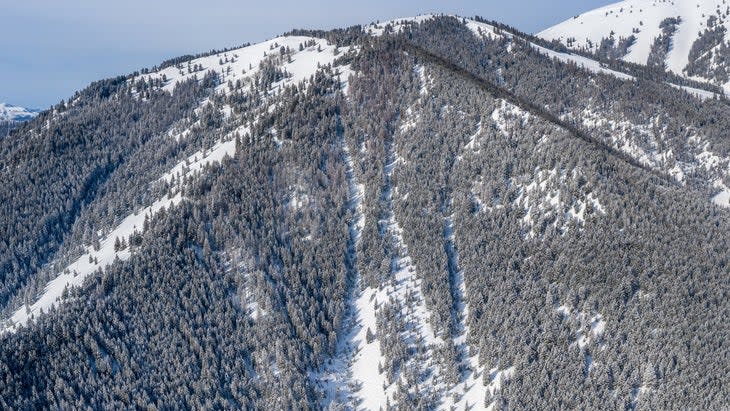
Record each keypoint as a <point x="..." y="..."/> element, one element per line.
<point x="243" y="63"/>
<point x="484" y="29"/>
<point x="378" y="28"/>
<point x="636" y="394"/>
<point x="626" y="17"/>
<point x="588" y="64"/>
<point x="722" y="198"/>
<point x="540" y="196"/>
<point x="365" y="364"/>
<point x="199" y="160"/>
<point x="589" y="328"/>
<point x="354" y="355"/>
<point x="15" y="114"/>
<point x="362" y="368"/>
<point x="598" y="326"/>
<point x="425" y="80"/>
<point x="471" y="390"/>
<point x="75" y="274"/>
<point x="699" y="93"/>
<point x="564" y="311"/>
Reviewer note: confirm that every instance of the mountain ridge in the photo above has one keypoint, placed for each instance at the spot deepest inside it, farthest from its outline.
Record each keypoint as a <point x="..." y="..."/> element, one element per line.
<point x="431" y="212"/>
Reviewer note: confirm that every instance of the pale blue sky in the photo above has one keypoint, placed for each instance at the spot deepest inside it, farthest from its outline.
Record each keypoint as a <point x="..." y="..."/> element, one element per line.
<point x="51" y="48"/>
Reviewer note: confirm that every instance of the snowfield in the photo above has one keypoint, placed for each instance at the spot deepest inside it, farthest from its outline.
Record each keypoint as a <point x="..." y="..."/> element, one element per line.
<point x="642" y="19"/>
<point x="15" y="114"/>
<point x="243" y="63"/>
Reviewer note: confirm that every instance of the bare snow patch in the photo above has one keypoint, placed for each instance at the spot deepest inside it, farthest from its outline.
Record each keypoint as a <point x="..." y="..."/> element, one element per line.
<point x="196" y="162"/>
<point x="589" y="328"/>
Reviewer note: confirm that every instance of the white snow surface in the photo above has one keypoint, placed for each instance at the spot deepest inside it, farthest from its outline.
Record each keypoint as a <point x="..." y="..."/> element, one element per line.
<point x="379" y="28"/>
<point x="15" y="114"/>
<point x="243" y="63"/>
<point x="722" y="198"/>
<point x="196" y="162"/>
<point x="355" y="371"/>
<point x="589" y="328"/>
<point x="641" y="18"/>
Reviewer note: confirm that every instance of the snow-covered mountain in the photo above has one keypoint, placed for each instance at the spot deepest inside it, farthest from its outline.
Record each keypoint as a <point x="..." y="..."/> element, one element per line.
<point x="425" y="213"/>
<point x="688" y="37"/>
<point x="10" y="113"/>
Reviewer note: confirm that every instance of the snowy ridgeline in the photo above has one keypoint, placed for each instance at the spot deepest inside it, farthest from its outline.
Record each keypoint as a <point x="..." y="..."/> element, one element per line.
<point x="482" y="29"/>
<point x="308" y="54"/>
<point x="303" y="64"/>
<point x="643" y="20"/>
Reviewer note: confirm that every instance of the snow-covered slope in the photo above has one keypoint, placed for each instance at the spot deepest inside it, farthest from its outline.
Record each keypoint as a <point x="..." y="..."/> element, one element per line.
<point x="483" y="29"/>
<point x="237" y="69"/>
<point x="642" y="20"/>
<point x="15" y="114"/>
<point x="238" y="66"/>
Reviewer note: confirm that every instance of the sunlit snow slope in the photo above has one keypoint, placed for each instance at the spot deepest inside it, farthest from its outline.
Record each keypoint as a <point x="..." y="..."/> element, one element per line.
<point x="643" y="19"/>
<point x="16" y="114"/>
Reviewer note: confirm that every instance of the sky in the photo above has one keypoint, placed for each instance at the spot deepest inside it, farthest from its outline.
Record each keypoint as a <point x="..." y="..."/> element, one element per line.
<point x="49" y="48"/>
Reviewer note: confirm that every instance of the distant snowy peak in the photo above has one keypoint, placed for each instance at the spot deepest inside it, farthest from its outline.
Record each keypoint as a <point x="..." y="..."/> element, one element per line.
<point x="689" y="37"/>
<point x="15" y="114"/>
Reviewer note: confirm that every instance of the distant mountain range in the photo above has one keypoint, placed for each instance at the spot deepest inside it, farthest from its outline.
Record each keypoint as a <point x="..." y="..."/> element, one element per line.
<point x="10" y="113"/>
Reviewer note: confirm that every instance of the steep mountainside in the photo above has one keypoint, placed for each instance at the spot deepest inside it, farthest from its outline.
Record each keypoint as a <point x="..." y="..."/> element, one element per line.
<point x="428" y="213"/>
<point x="687" y="37"/>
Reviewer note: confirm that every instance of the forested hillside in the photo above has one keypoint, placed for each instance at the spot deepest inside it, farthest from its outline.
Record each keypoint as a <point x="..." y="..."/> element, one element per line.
<point x="433" y="213"/>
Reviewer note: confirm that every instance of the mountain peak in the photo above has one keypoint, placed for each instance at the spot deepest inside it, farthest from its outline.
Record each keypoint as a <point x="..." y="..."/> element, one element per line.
<point x="16" y="114"/>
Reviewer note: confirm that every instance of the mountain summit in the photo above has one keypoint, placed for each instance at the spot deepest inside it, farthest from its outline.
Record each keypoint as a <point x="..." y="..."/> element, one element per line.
<point x="688" y="38"/>
<point x="12" y="113"/>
